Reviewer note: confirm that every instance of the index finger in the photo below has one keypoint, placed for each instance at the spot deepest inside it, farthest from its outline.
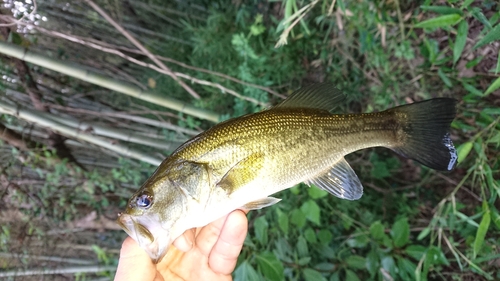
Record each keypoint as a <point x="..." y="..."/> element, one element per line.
<point x="224" y="254"/>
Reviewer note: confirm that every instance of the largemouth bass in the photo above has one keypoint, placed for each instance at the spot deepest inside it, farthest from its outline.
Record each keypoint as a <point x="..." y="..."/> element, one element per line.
<point x="240" y="162"/>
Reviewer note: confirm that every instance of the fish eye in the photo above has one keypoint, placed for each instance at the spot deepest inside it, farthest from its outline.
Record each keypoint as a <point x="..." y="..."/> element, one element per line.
<point x="144" y="201"/>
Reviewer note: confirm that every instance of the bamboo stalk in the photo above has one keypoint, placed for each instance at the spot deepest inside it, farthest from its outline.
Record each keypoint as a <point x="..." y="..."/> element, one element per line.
<point x="128" y="116"/>
<point x="40" y="119"/>
<point x="47" y="258"/>
<point x="109" y="132"/>
<point x="119" y="86"/>
<point x="52" y="271"/>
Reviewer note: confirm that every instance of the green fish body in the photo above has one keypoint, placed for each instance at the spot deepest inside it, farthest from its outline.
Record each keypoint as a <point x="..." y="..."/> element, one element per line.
<point x="240" y="162"/>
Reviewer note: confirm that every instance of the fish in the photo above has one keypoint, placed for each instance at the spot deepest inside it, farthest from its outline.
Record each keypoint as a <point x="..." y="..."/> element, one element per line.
<point x="239" y="163"/>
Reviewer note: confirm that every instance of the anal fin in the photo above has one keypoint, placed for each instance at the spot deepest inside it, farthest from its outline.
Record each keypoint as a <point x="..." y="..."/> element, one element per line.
<point x="261" y="203"/>
<point x="340" y="180"/>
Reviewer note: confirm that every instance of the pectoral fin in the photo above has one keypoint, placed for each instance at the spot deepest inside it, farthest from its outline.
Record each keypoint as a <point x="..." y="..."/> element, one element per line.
<point x="340" y="180"/>
<point x="242" y="173"/>
<point x="261" y="203"/>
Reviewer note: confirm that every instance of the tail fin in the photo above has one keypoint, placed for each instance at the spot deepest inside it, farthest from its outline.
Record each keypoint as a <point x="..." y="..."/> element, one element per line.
<point x="424" y="132"/>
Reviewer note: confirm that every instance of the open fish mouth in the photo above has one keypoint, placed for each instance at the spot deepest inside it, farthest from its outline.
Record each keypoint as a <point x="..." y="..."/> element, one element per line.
<point x="155" y="247"/>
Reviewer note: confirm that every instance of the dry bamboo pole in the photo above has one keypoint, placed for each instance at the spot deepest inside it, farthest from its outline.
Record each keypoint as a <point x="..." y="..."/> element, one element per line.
<point x="118" y="86"/>
<point x="34" y="116"/>
<point x="52" y="271"/>
<point x="47" y="258"/>
<point x="110" y="132"/>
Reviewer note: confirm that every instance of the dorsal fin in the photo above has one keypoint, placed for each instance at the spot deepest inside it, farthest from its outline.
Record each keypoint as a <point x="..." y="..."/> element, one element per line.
<point x="321" y="96"/>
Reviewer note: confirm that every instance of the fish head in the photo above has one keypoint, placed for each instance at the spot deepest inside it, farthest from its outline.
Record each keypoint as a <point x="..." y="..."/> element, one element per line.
<point x="152" y="215"/>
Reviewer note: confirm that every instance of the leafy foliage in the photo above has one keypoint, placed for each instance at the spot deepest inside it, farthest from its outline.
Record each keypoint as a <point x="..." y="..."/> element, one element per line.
<point x="412" y="223"/>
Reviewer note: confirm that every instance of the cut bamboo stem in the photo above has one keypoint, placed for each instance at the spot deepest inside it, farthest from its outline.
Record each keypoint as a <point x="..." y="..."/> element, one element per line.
<point x="40" y="119"/>
<point x="118" y="86"/>
<point x="110" y="132"/>
<point x="52" y="271"/>
<point x="47" y="258"/>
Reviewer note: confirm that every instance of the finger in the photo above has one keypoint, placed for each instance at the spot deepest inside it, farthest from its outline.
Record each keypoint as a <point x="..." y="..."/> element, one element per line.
<point x="186" y="240"/>
<point x="134" y="263"/>
<point x="225" y="253"/>
<point x="208" y="235"/>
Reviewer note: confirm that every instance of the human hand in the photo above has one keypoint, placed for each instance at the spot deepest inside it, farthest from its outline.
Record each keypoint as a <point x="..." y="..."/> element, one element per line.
<point x="206" y="253"/>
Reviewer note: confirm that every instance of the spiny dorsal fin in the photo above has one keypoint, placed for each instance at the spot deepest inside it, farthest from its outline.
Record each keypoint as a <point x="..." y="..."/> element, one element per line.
<point x="322" y="96"/>
<point x="340" y="180"/>
<point x="261" y="203"/>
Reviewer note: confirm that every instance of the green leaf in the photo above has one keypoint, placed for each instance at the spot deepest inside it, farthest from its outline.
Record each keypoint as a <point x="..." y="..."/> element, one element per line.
<point x="415" y="251"/>
<point x="497" y="68"/>
<point x="325" y="266"/>
<point x="245" y="272"/>
<point x="335" y="276"/>
<point x="466" y="4"/>
<point x="406" y="269"/>
<point x="495" y="217"/>
<point x="260" y="227"/>
<point x="458" y="47"/>
<point x="443" y="10"/>
<point x="495" y="85"/>
<point x="441" y="21"/>
<point x="389" y="265"/>
<point x="400" y="232"/>
<point x="310" y="235"/>
<point x="282" y="220"/>
<point x="482" y="230"/>
<point x="445" y="78"/>
<point x="356" y="262"/>
<point x="473" y="90"/>
<point x="270" y="266"/>
<point x="373" y="261"/>
<point x="377" y="230"/>
<point x="302" y="248"/>
<point x="491" y="36"/>
<point x="463" y="150"/>
<point x="312" y="275"/>
<point x="303" y="261"/>
<point x="351" y="276"/>
<point x="478" y="14"/>
<point x="325" y="236"/>
<point x="359" y="241"/>
<point x="316" y="193"/>
<point x="298" y="218"/>
<point x="423" y="233"/>
<point x="311" y="211"/>
<point x="435" y="256"/>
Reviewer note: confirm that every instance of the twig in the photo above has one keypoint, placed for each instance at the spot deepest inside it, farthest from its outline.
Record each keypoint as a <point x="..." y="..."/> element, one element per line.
<point x="108" y="48"/>
<point x="348" y="57"/>
<point x="142" y="48"/>
<point x="284" y="35"/>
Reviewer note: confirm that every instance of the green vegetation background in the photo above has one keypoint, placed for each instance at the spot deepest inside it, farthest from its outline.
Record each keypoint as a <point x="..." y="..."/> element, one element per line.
<point x="412" y="223"/>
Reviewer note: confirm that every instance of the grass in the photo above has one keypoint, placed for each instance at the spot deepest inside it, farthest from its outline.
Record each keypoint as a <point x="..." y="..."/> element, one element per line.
<point x="412" y="223"/>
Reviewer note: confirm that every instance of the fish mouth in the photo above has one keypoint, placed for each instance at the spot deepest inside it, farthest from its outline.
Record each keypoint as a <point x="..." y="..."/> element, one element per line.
<point x="155" y="246"/>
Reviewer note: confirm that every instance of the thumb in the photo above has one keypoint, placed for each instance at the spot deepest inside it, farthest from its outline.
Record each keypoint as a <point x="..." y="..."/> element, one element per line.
<point x="134" y="263"/>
